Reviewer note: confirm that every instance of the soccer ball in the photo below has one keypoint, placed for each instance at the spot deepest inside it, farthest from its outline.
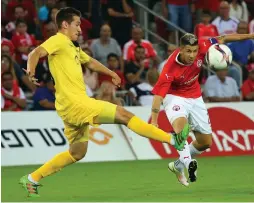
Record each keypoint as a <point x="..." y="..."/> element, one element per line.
<point x="219" y="56"/>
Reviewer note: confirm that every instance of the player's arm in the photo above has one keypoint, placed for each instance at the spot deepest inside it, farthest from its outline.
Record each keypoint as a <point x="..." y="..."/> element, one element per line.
<point x="32" y="62"/>
<point x="160" y="90"/>
<point x="96" y="66"/>
<point x="233" y="38"/>
<point x="157" y="100"/>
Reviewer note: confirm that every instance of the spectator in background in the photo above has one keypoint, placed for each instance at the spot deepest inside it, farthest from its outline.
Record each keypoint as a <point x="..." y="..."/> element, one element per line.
<point x="171" y="49"/>
<point x="241" y="51"/>
<point x="239" y="10"/>
<point x="135" y="71"/>
<point x="224" y="22"/>
<point x="143" y="91"/>
<point x="107" y="92"/>
<point x="50" y="29"/>
<point x="221" y="88"/>
<point x="113" y="64"/>
<point x="44" y="97"/>
<point x="179" y="13"/>
<point x="120" y="19"/>
<point x="205" y="29"/>
<point x="28" y="5"/>
<point x="20" y="13"/>
<point x="13" y="98"/>
<point x="248" y="85"/>
<point x="8" y="65"/>
<point x="251" y="26"/>
<point x="44" y="11"/>
<point x="7" y="47"/>
<point x="23" y="42"/>
<point x="90" y="77"/>
<point x="105" y="45"/>
<point x="129" y="48"/>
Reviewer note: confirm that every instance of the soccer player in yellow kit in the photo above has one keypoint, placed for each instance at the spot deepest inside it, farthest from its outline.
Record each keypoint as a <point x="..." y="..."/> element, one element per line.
<point x="76" y="109"/>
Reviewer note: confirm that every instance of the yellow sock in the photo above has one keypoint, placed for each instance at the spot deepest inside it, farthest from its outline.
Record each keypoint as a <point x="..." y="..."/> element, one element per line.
<point x="147" y="130"/>
<point x="57" y="163"/>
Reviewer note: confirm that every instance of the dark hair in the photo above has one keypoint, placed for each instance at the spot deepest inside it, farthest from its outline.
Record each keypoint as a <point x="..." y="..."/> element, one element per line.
<point x="112" y="55"/>
<point x="206" y="12"/>
<point x="7" y="73"/>
<point x="19" y="21"/>
<point x="66" y="14"/>
<point x="139" y="47"/>
<point x="188" y="39"/>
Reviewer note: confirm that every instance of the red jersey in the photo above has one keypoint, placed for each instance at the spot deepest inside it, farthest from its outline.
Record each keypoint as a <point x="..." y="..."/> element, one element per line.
<point x="22" y="40"/>
<point x="129" y="51"/>
<point x="103" y="77"/>
<point x="180" y="79"/>
<point x="247" y="87"/>
<point x="206" y="31"/>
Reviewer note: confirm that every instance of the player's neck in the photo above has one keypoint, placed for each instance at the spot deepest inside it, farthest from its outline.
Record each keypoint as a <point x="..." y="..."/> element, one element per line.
<point x="64" y="33"/>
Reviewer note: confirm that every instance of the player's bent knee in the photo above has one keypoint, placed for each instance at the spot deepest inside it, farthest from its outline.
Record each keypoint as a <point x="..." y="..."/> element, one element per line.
<point x="207" y="143"/>
<point x="122" y="115"/>
<point x="78" y="150"/>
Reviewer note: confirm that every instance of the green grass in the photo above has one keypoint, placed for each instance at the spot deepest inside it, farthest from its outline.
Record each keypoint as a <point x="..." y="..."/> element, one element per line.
<point x="219" y="179"/>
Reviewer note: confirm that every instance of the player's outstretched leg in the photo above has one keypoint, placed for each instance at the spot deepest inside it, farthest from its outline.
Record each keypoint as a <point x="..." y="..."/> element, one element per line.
<point x="31" y="182"/>
<point x="122" y="116"/>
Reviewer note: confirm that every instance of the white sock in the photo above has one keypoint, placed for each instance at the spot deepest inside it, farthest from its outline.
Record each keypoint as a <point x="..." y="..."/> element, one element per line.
<point x="32" y="180"/>
<point x="194" y="151"/>
<point x="184" y="159"/>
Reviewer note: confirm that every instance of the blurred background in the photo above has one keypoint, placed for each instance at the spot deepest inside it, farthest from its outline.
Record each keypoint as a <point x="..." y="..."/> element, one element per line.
<point x="132" y="38"/>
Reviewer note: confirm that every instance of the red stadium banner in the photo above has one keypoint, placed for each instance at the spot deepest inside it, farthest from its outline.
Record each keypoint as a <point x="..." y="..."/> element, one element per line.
<point x="233" y="134"/>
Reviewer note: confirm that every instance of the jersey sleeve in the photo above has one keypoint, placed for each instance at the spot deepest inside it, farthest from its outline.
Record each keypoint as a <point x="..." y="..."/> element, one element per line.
<point x="52" y="45"/>
<point x="163" y="84"/>
<point x="151" y="51"/>
<point x="84" y="58"/>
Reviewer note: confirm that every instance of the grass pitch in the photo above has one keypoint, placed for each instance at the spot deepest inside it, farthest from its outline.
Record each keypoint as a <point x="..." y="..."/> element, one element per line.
<point x="224" y="179"/>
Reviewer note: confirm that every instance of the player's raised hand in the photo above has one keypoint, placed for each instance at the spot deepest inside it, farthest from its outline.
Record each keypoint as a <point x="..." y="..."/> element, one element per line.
<point x="116" y="79"/>
<point x="31" y="77"/>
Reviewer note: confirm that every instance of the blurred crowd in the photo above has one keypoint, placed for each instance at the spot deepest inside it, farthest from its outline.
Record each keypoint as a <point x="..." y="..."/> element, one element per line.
<point x="110" y="36"/>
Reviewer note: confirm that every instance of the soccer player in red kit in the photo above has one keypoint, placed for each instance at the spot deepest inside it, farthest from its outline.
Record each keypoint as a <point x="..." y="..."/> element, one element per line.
<point x="180" y="92"/>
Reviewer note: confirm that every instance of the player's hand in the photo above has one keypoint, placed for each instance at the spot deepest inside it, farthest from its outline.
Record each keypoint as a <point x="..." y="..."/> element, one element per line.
<point x="116" y="79"/>
<point x="31" y="77"/>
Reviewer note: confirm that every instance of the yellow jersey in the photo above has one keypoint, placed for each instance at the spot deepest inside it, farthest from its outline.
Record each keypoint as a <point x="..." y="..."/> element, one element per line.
<point x="65" y="61"/>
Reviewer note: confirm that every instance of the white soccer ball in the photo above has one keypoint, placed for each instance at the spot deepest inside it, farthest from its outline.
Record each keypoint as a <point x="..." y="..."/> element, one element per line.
<point x="219" y="56"/>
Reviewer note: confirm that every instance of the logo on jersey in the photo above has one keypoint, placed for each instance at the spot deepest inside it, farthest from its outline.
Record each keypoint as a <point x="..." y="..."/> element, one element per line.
<point x="176" y="108"/>
<point x="199" y="63"/>
<point x="167" y="76"/>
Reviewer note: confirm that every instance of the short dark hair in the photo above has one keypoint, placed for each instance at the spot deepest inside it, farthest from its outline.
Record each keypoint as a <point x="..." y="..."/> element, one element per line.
<point x="139" y="47"/>
<point x="66" y="14"/>
<point x="7" y="73"/>
<point x="206" y="13"/>
<point x="19" y="21"/>
<point x="188" y="39"/>
<point x="112" y="55"/>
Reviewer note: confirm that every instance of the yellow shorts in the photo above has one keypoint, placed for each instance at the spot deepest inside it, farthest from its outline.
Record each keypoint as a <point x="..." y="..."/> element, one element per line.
<point x="76" y="133"/>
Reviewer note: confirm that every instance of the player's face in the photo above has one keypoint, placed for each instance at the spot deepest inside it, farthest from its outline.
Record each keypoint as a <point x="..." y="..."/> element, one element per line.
<point x="189" y="53"/>
<point x="74" y="29"/>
